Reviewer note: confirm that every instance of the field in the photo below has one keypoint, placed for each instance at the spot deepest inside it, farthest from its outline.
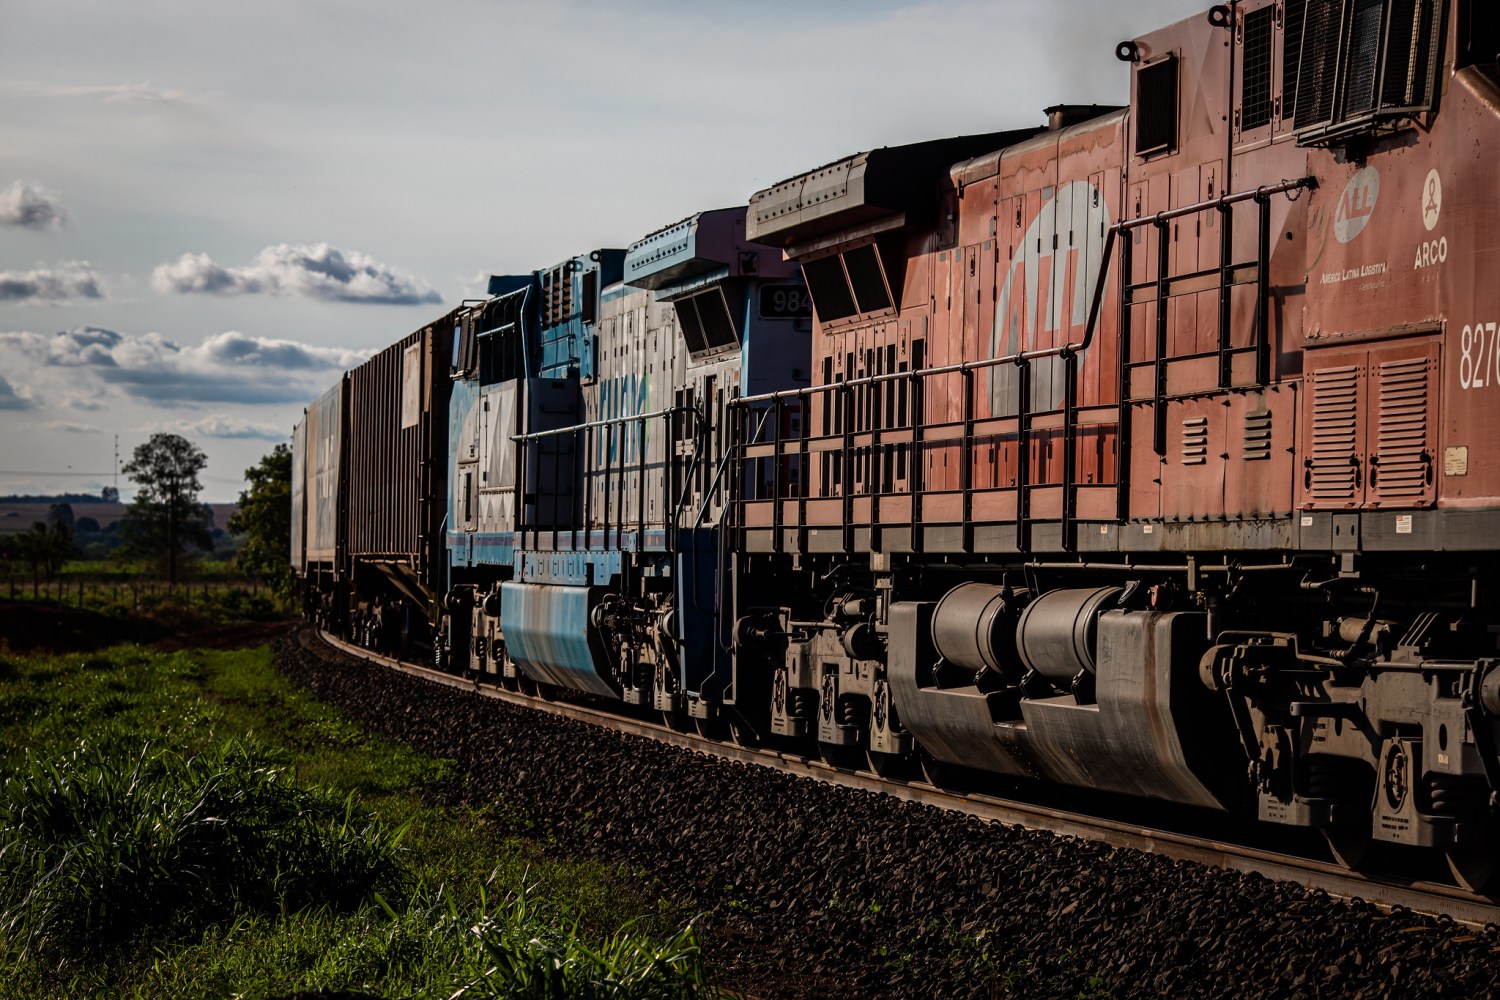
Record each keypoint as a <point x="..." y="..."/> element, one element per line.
<point x="186" y="823"/>
<point x="89" y="604"/>
<point x="19" y="515"/>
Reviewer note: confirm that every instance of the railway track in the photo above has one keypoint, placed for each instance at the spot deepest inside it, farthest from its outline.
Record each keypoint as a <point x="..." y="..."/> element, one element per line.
<point x="1386" y="891"/>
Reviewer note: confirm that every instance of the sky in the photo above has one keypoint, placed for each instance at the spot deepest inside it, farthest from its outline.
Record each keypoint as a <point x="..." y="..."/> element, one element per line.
<point x="207" y="210"/>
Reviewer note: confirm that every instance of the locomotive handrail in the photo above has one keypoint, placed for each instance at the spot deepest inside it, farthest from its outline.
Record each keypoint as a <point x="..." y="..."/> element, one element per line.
<point x="1229" y="272"/>
<point x="1062" y="350"/>
<point x="574" y="428"/>
<point x="1249" y="194"/>
<point x="579" y="476"/>
<point x="853" y="383"/>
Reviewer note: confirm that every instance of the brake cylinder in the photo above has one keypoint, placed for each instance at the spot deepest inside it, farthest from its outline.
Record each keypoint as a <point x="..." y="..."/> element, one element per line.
<point x="974" y="627"/>
<point x="1057" y="631"/>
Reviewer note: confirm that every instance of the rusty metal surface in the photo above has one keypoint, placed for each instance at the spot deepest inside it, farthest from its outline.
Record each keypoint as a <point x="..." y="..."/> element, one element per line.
<point x="396" y="448"/>
<point x="321" y="440"/>
<point x="1225" y="315"/>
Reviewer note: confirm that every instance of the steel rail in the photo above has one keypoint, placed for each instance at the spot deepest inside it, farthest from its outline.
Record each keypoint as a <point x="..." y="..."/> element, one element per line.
<point x="1384" y="891"/>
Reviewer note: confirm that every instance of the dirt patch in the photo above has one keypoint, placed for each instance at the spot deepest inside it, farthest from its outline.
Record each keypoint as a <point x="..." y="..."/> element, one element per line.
<point x="239" y="635"/>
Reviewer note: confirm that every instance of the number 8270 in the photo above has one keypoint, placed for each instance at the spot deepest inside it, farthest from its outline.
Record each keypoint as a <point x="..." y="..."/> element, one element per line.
<point x="1479" y="362"/>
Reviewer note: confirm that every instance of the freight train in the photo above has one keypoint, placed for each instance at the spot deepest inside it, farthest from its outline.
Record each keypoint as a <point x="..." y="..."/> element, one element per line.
<point x="1142" y="451"/>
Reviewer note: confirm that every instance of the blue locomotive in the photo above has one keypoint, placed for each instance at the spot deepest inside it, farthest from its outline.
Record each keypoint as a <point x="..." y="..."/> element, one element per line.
<point x="578" y="419"/>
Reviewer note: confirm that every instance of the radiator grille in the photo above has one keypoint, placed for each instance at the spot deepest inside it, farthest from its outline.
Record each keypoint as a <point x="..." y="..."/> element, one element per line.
<point x="1291" y="55"/>
<point x="1319" y="61"/>
<point x="1255" y="93"/>
<point x="1411" y="51"/>
<point x="1402" y="463"/>
<point x="1363" y="59"/>
<point x="1333" y="452"/>
<point x="557" y="296"/>
<point x="1257" y="435"/>
<point x="1195" y="441"/>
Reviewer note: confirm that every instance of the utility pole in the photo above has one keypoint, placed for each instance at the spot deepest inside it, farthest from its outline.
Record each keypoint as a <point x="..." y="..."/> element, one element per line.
<point x="172" y="537"/>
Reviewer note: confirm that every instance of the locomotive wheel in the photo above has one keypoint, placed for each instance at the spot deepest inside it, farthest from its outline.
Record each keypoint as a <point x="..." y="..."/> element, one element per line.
<point x="1474" y="866"/>
<point x="892" y="766"/>
<point x="716" y="729"/>
<point x="938" y="773"/>
<point x="742" y="734"/>
<point x="842" y="757"/>
<point x="1349" y="842"/>
<point x="678" y="722"/>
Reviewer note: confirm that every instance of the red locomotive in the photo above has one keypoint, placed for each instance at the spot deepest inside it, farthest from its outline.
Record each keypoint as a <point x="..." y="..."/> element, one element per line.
<point x="1146" y="452"/>
<point x="1142" y="452"/>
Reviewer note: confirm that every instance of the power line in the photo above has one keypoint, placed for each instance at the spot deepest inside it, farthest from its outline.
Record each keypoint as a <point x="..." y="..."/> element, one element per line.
<point x="21" y="472"/>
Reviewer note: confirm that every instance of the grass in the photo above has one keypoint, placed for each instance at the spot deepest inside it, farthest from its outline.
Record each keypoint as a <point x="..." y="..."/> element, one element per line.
<point x="209" y="591"/>
<point x="189" y="824"/>
<point x="96" y="848"/>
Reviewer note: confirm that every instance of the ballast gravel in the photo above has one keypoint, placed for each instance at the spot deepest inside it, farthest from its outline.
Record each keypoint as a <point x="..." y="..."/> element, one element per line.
<point x="811" y="890"/>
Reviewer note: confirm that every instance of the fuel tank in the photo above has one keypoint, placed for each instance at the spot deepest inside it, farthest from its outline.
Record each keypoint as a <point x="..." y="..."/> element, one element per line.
<point x="549" y="635"/>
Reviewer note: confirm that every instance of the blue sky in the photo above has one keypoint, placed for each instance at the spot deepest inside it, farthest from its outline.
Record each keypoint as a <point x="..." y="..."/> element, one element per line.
<point x="208" y="209"/>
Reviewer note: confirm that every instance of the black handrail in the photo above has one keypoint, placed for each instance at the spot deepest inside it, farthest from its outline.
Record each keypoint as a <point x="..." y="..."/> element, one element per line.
<point x="1069" y="353"/>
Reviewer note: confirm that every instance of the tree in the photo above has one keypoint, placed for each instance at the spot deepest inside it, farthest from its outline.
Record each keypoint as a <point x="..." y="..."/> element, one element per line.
<point x="43" y="548"/>
<point x="61" y="513"/>
<point x="165" y="517"/>
<point x="264" y="517"/>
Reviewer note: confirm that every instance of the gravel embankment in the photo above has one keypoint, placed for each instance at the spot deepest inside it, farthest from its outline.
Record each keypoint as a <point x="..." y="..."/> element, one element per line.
<point x="817" y="891"/>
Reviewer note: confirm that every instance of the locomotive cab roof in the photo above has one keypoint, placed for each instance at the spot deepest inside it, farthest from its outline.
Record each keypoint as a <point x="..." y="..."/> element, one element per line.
<point x="875" y="191"/>
<point x="703" y="247"/>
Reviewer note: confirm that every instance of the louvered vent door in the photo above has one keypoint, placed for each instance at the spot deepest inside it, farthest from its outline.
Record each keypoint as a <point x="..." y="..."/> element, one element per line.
<point x="1401" y="425"/>
<point x="1333" y="459"/>
<point x="1371" y="426"/>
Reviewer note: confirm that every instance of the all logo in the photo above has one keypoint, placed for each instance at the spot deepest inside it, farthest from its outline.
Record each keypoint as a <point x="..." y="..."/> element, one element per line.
<point x="1047" y="290"/>
<point x="1356" y="204"/>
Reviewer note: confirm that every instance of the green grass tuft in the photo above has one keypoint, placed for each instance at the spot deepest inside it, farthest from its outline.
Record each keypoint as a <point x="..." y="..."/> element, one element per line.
<point x="96" y="848"/>
<point x="219" y="833"/>
<point x="525" y="951"/>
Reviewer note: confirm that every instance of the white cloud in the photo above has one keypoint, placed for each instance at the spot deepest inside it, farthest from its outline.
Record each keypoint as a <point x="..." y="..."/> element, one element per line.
<point x="31" y="206"/>
<point x="67" y="281"/>
<point x="227" y="367"/>
<point x="68" y="427"/>
<point x="222" y="425"/>
<point x="111" y="93"/>
<point x="316" y="271"/>
<point x="13" y="399"/>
